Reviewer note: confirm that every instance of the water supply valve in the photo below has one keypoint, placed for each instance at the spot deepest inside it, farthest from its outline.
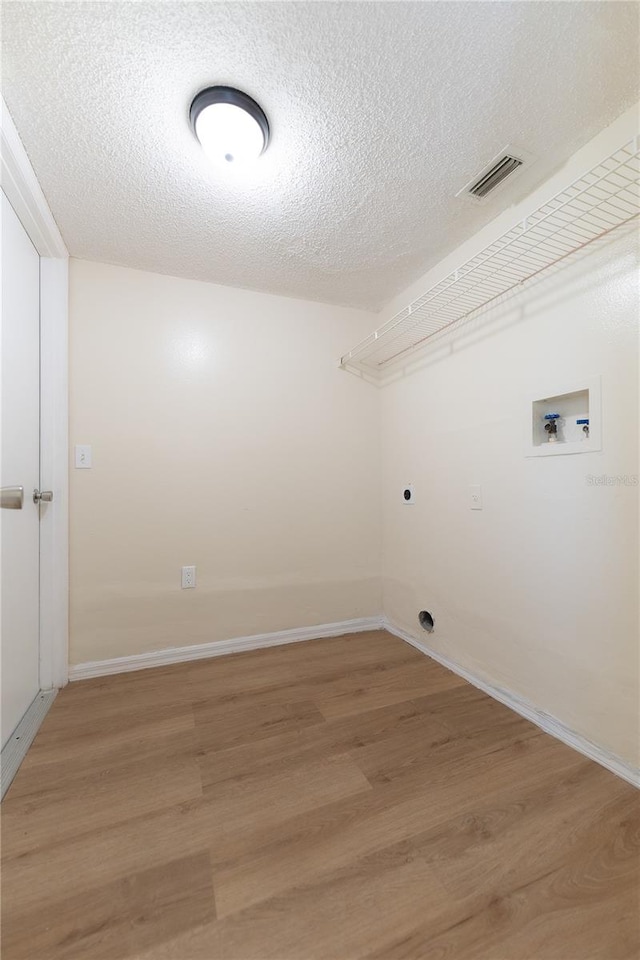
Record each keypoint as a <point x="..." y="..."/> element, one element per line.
<point x="584" y="423"/>
<point x="551" y="426"/>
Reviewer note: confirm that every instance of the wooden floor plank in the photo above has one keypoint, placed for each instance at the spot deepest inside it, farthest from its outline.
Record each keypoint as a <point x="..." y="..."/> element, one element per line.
<point x="76" y="801"/>
<point x="220" y="726"/>
<point x="360" y="691"/>
<point x="550" y="910"/>
<point x="326" y="840"/>
<point x="96" y="738"/>
<point x="322" y="740"/>
<point x="118" y="919"/>
<point x="273" y="795"/>
<point x="334" y="799"/>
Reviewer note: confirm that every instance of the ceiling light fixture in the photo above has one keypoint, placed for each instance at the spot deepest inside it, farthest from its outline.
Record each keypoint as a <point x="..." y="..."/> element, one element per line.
<point x="231" y="127"/>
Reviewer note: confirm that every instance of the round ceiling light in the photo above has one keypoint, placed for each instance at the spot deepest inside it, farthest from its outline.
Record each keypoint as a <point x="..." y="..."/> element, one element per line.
<point x="231" y="127"/>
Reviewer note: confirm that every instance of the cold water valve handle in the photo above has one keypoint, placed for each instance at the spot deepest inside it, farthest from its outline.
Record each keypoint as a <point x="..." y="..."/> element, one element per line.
<point x="551" y="426"/>
<point x="584" y="423"/>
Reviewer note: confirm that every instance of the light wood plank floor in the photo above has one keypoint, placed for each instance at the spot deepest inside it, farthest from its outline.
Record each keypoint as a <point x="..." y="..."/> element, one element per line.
<point x="335" y="799"/>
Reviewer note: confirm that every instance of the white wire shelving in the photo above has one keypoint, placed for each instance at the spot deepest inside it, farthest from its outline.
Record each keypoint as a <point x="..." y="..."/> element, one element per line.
<point x="594" y="205"/>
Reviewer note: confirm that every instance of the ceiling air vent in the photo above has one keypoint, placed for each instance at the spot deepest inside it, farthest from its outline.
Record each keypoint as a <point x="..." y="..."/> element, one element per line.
<point x="495" y="175"/>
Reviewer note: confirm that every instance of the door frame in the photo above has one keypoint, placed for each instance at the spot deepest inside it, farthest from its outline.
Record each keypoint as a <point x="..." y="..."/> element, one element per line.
<point x="25" y="195"/>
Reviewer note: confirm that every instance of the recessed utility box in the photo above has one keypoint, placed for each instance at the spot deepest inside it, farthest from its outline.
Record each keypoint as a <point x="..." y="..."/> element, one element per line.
<point x="562" y="423"/>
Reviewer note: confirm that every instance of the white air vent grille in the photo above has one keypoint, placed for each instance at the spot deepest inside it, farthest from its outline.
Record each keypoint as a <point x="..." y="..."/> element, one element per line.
<point x="496" y="174"/>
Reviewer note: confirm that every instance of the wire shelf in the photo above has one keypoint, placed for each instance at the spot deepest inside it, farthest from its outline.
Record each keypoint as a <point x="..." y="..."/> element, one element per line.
<point x="594" y="205"/>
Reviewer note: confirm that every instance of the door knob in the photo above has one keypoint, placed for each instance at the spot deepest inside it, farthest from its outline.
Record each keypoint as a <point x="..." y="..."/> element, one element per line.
<point x="11" y="498"/>
<point x="46" y="496"/>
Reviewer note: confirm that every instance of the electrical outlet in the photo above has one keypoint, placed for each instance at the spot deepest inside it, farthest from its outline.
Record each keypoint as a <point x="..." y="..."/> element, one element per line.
<point x="188" y="578"/>
<point x="407" y="494"/>
<point x="475" y="498"/>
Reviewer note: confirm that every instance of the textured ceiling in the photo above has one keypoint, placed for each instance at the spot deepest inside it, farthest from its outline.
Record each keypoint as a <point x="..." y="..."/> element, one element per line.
<point x="380" y="112"/>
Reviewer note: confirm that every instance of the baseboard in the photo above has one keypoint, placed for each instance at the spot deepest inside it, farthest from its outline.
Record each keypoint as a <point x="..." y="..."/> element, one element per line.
<point x="15" y="749"/>
<point x="219" y="648"/>
<point x="527" y="710"/>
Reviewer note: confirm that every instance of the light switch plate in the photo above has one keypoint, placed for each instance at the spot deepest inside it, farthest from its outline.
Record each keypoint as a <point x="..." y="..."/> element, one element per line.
<point x="83" y="456"/>
<point x="475" y="498"/>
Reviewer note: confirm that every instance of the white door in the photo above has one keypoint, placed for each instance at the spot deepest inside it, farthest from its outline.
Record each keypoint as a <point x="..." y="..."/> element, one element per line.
<point x="19" y="467"/>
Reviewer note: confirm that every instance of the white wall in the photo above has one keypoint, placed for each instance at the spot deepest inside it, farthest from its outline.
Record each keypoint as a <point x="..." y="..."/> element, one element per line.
<point x="224" y="436"/>
<point x="538" y="592"/>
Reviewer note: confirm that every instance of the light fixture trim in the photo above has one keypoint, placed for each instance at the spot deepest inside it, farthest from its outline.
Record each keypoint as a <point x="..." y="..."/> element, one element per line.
<point x="211" y="96"/>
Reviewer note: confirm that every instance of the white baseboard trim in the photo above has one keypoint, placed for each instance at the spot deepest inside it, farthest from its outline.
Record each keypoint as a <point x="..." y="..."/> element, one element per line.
<point x="527" y="710"/>
<point x="15" y="749"/>
<point x="219" y="648"/>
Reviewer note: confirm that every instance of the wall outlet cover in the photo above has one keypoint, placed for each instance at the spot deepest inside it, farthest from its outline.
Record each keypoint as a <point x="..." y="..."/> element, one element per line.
<point x="83" y="456"/>
<point x="475" y="498"/>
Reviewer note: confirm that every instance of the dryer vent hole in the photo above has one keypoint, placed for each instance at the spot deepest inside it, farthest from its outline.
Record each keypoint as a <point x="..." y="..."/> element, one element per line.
<point x="426" y="621"/>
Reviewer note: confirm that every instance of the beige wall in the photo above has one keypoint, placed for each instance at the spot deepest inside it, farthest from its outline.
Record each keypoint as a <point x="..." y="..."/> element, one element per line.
<point x="224" y="436"/>
<point x="538" y="592"/>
